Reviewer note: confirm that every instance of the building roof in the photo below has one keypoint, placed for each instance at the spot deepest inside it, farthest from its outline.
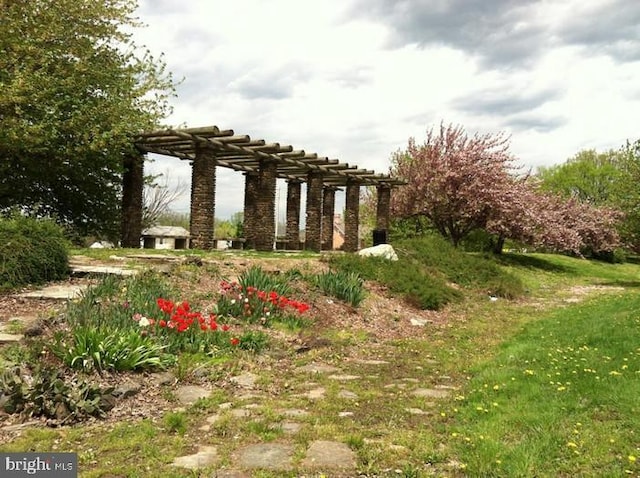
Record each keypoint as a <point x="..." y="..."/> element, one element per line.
<point x="241" y="153"/>
<point x="166" y="231"/>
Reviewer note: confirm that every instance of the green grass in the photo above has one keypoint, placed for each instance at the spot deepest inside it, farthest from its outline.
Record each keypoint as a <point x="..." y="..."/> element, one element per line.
<point x="559" y="399"/>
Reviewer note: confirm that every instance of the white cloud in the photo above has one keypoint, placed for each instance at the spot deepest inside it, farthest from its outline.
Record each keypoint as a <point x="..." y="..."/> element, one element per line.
<point x="354" y="79"/>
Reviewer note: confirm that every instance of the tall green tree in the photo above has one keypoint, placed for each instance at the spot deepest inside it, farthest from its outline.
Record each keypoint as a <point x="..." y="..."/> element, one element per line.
<point x="588" y="176"/>
<point x="74" y="90"/>
<point x="628" y="194"/>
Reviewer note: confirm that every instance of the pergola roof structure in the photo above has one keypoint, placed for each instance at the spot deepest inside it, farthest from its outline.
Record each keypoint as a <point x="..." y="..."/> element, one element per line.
<point x="241" y="153"/>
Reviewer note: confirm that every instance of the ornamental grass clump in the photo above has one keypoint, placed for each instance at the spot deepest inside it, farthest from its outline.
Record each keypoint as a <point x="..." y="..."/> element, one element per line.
<point x="346" y="286"/>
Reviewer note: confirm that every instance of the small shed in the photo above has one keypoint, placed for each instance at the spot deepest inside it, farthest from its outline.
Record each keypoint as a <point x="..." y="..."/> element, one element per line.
<point x="165" y="237"/>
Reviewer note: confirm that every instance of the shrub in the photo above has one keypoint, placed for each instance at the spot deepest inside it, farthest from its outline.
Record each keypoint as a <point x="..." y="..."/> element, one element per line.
<point x="31" y="252"/>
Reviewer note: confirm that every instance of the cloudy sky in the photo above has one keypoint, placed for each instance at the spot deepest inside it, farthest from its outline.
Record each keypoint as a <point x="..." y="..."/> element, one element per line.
<point x="354" y="79"/>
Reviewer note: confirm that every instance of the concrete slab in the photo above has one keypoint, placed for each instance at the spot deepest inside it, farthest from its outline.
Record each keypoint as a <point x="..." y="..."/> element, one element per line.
<point x="57" y="292"/>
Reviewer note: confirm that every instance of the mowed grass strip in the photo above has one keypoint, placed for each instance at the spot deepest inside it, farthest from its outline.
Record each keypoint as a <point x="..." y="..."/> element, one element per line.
<point x="558" y="399"/>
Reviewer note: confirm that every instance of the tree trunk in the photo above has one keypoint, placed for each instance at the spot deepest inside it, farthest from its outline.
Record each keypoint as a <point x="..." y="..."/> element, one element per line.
<point x="498" y="245"/>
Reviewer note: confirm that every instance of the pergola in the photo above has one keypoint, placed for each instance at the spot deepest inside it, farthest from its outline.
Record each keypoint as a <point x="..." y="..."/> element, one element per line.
<point x="262" y="164"/>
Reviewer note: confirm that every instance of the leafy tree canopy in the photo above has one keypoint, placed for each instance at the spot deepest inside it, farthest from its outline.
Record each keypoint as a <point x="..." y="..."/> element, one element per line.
<point x="74" y="89"/>
<point x="589" y="176"/>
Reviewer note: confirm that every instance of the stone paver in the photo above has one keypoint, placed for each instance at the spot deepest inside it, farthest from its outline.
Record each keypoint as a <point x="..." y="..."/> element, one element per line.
<point x="9" y="338"/>
<point x="190" y="394"/>
<point x="345" y="377"/>
<point x="206" y="456"/>
<point x="294" y="413"/>
<point x="316" y="393"/>
<point x="60" y="292"/>
<point x="245" y="380"/>
<point x="290" y="427"/>
<point x="371" y="362"/>
<point x="431" y="392"/>
<point x="318" y="368"/>
<point x="272" y="456"/>
<point x="329" y="455"/>
<point x="348" y="395"/>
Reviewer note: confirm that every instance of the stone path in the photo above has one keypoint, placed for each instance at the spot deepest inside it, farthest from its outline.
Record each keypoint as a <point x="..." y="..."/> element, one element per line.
<point x="55" y="292"/>
<point x="319" y="457"/>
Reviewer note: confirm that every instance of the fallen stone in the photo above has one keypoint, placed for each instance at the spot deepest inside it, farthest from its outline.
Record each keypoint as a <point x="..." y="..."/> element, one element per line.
<point x="190" y="394"/>
<point x="381" y="250"/>
<point x="206" y="456"/>
<point x="419" y="322"/>
<point x="329" y="455"/>
<point x="345" y="414"/>
<point x="415" y="411"/>
<point x="272" y="456"/>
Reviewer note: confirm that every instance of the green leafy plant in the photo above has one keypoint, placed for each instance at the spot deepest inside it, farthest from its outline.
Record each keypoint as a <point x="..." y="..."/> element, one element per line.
<point x="346" y="286"/>
<point x="101" y="350"/>
<point x="47" y="394"/>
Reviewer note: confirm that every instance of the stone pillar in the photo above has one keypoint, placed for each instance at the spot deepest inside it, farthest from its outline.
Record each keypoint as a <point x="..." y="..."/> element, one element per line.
<point x="313" y="212"/>
<point x="382" y="211"/>
<point x="352" y="216"/>
<point x="203" y="197"/>
<point x="251" y="185"/>
<point x="132" y="190"/>
<point x="328" y="206"/>
<point x="294" y="189"/>
<point x="265" y="209"/>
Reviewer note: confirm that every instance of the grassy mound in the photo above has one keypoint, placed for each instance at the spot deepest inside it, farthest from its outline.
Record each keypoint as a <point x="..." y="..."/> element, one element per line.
<point x="428" y="271"/>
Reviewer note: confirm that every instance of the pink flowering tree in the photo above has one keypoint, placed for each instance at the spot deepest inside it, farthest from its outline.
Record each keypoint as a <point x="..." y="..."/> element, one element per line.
<point x="459" y="183"/>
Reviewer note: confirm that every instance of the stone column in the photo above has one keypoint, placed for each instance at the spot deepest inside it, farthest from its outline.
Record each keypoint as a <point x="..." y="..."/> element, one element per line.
<point x="382" y="211"/>
<point x="132" y="190"/>
<point x="203" y="197"/>
<point x="313" y="212"/>
<point x="294" y="189"/>
<point x="251" y="185"/>
<point x="352" y="216"/>
<point x="265" y="217"/>
<point x="328" y="206"/>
